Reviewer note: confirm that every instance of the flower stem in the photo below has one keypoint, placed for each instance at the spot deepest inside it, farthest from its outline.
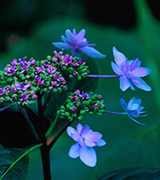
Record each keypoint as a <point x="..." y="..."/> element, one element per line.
<point x="17" y="160"/>
<point x="121" y="113"/>
<point x="44" y="148"/>
<point x="6" y="107"/>
<point x="103" y="76"/>
<point x="59" y="134"/>
<point x="30" y="124"/>
<point x="74" y="52"/>
<point x="45" y="154"/>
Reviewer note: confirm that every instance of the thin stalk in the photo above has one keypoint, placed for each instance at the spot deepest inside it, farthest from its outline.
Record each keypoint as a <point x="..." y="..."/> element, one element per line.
<point x="121" y="113"/>
<point x="52" y="126"/>
<point x="59" y="134"/>
<point x="17" y="160"/>
<point x="30" y="124"/>
<point x="103" y="76"/>
<point x="6" y="107"/>
<point x="44" y="149"/>
<point x="41" y="118"/>
<point x="31" y="111"/>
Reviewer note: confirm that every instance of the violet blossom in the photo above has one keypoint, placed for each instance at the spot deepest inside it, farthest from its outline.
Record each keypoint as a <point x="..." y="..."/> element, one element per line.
<point x="22" y="86"/>
<point x="10" y="70"/>
<point x="86" y="139"/>
<point x="2" y="91"/>
<point x="77" y="43"/>
<point x="133" y="109"/>
<point x="129" y="72"/>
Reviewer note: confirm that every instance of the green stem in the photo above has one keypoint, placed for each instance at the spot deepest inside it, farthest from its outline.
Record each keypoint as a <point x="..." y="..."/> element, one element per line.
<point x="30" y="124"/>
<point x="41" y="118"/>
<point x="17" y="160"/>
<point x="46" y="161"/>
<point x="59" y="134"/>
<point x="56" y="118"/>
<point x="52" y="126"/>
<point x="44" y="149"/>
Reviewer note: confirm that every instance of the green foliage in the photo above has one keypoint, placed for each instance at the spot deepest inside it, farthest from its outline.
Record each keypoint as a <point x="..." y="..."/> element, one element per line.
<point x="135" y="173"/>
<point x="16" y="169"/>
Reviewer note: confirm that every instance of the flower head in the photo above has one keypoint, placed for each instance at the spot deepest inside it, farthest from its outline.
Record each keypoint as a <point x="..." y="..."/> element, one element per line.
<point x="129" y="72"/>
<point x="86" y="139"/>
<point x="77" y="43"/>
<point x="133" y="108"/>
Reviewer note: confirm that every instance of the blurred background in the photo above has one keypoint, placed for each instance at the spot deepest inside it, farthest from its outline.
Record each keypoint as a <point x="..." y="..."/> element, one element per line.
<point x="28" y="28"/>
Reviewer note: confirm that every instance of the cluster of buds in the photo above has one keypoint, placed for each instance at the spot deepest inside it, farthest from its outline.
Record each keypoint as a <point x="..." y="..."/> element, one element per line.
<point x="69" y="66"/>
<point x="24" y="78"/>
<point x="78" y="104"/>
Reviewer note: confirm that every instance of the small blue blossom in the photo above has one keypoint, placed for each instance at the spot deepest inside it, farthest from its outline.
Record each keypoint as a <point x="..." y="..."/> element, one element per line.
<point x="133" y="109"/>
<point x="86" y="139"/>
<point x="77" y="42"/>
<point x="129" y="72"/>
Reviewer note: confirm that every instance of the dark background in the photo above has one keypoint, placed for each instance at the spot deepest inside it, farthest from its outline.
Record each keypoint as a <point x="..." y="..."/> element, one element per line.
<point x="19" y="17"/>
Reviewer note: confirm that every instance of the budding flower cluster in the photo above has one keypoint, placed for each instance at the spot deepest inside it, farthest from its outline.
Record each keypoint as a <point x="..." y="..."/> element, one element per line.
<point x="70" y="66"/>
<point x="78" y="104"/>
<point x="22" y="79"/>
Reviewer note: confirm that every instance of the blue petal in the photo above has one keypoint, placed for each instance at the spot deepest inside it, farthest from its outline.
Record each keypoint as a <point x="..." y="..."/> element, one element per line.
<point x="130" y="103"/>
<point x="135" y="120"/>
<point x="133" y="113"/>
<point x="88" y="156"/>
<point x="71" y="37"/>
<point x="80" y="35"/>
<point x="141" y="72"/>
<point x="74" y="151"/>
<point x="142" y="85"/>
<point x="123" y="104"/>
<point x="124" y="83"/>
<point x="118" y="56"/>
<point x="93" y="53"/>
<point x="61" y="45"/>
<point x="67" y="41"/>
<point x="116" y="69"/>
<point x="101" y="142"/>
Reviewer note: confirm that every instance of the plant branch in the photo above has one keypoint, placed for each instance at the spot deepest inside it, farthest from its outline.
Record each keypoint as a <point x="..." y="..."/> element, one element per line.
<point x="59" y="134"/>
<point x="30" y="124"/>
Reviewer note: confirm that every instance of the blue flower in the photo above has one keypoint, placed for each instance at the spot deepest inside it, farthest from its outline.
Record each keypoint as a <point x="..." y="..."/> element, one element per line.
<point x="129" y="72"/>
<point x="86" y="139"/>
<point x="133" y="109"/>
<point x="77" y="42"/>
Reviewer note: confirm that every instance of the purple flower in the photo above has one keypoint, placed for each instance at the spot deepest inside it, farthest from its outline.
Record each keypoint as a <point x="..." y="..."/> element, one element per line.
<point x="77" y="42"/>
<point x="24" y="97"/>
<point x="10" y="70"/>
<point x="22" y="86"/>
<point x="51" y="69"/>
<point x="133" y="108"/>
<point x="40" y="69"/>
<point x="86" y="139"/>
<point x="2" y="91"/>
<point x="129" y="72"/>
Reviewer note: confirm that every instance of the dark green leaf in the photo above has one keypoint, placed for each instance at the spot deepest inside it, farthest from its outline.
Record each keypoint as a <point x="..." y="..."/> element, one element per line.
<point x="19" y="170"/>
<point x="132" y="174"/>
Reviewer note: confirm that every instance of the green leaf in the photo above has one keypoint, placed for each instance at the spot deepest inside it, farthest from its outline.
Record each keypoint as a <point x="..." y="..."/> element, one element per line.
<point x="7" y="160"/>
<point x="133" y="173"/>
